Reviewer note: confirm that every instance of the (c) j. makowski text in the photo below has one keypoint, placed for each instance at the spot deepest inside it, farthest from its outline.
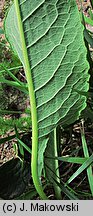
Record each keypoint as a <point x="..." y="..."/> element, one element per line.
<point x="46" y="207"/>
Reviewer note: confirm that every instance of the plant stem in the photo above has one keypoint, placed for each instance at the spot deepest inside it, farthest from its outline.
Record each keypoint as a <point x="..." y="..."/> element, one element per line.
<point x="34" y="159"/>
<point x="57" y="176"/>
<point x="12" y="75"/>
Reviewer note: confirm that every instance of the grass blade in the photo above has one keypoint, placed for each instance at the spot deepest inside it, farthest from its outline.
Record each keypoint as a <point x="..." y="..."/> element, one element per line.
<point x="81" y="169"/>
<point x="21" y="149"/>
<point x="86" y="154"/>
<point x="13" y="68"/>
<point x="11" y="75"/>
<point x="10" y="112"/>
<point x="88" y="20"/>
<point x="8" y="138"/>
<point x="16" y="85"/>
<point x="77" y="160"/>
<point x="24" y="145"/>
<point x="66" y="191"/>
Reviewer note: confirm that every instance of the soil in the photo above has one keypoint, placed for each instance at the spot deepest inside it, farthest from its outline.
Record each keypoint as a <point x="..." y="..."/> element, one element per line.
<point x="6" y="150"/>
<point x="2" y="2"/>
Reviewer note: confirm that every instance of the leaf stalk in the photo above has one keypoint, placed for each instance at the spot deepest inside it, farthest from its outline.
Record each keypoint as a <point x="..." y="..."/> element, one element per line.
<point x="34" y="159"/>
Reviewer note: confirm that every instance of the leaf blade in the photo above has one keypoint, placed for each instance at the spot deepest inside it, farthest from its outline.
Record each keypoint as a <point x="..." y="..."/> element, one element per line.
<point x="60" y="37"/>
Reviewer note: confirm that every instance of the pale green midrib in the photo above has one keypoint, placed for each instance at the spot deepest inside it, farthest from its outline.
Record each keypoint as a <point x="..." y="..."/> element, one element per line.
<point x="32" y="104"/>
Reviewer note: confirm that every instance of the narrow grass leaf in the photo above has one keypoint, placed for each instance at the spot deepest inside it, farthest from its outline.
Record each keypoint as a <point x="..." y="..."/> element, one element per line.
<point x="81" y="169"/>
<point x="86" y="154"/>
<point x="21" y="149"/>
<point x="8" y="138"/>
<point x="24" y="145"/>
<point x="12" y="68"/>
<point x="16" y="85"/>
<point x="90" y="13"/>
<point x="77" y="160"/>
<point x="88" y="20"/>
<point x="53" y="164"/>
<point x="88" y="37"/>
<point x="11" y="75"/>
<point x="10" y="112"/>
<point x="66" y="191"/>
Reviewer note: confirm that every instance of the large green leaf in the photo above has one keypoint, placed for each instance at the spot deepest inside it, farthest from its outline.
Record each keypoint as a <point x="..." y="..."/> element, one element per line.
<point x="57" y="56"/>
<point x="14" y="177"/>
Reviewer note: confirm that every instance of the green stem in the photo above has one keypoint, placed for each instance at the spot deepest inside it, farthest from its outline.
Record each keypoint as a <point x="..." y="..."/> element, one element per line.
<point x="57" y="176"/>
<point x="34" y="164"/>
<point x="12" y="68"/>
<point x="12" y="75"/>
